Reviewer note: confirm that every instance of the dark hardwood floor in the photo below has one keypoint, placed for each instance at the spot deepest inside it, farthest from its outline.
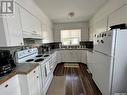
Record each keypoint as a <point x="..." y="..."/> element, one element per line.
<point x="78" y="80"/>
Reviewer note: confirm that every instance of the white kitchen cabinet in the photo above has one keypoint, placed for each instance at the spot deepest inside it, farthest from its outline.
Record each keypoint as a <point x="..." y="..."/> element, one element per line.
<point x="47" y="34"/>
<point x="70" y="55"/>
<point x="11" y="29"/>
<point x="90" y="62"/>
<point x="58" y="56"/>
<point x="53" y="61"/>
<point x="117" y="17"/>
<point x="10" y="87"/>
<point x="83" y="56"/>
<point x="30" y="24"/>
<point x="65" y="56"/>
<point x="31" y="83"/>
<point x="75" y="55"/>
<point x="100" y="26"/>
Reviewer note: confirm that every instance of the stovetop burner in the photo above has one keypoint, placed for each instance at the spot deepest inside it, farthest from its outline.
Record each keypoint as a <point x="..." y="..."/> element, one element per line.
<point x="39" y="55"/>
<point x="38" y="60"/>
<point x="29" y="60"/>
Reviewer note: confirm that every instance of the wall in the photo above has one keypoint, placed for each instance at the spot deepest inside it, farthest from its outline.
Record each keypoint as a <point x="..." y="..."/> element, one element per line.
<point x="114" y="12"/>
<point x="79" y="25"/>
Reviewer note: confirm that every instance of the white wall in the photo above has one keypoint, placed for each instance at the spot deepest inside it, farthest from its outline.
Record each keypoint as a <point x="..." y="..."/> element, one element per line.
<point x="114" y="12"/>
<point x="79" y="25"/>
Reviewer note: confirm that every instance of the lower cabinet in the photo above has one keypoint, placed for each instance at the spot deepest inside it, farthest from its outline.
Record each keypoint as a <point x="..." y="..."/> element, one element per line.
<point x="11" y="87"/>
<point x="58" y="57"/>
<point x="83" y="56"/>
<point x="70" y="55"/>
<point x="31" y="83"/>
<point x="53" y="61"/>
<point x="74" y="56"/>
<point x="90" y="61"/>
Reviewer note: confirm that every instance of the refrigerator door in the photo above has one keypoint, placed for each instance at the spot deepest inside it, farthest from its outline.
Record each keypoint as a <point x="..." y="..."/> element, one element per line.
<point x="104" y="42"/>
<point x="102" y="71"/>
<point x="119" y="84"/>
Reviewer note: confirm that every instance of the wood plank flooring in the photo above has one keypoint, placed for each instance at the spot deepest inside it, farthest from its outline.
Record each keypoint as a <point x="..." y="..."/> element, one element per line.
<point x="78" y="81"/>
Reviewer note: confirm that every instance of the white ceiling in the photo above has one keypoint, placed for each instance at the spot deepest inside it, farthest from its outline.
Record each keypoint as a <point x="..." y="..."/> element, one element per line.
<point x="57" y="10"/>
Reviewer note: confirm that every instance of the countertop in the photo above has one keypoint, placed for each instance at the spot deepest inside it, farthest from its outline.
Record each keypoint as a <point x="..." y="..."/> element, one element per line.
<point x="28" y="67"/>
<point x="20" y="69"/>
<point x="76" y="49"/>
<point x="53" y="50"/>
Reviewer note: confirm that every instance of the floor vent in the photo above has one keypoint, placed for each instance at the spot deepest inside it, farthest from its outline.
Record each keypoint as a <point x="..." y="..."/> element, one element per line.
<point x="71" y="65"/>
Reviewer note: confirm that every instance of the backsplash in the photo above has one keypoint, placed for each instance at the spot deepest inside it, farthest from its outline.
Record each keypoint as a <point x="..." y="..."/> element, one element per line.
<point x="12" y="49"/>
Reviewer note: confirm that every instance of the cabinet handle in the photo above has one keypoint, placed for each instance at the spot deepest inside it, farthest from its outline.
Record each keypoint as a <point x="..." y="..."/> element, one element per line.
<point x="37" y="77"/>
<point x="6" y="85"/>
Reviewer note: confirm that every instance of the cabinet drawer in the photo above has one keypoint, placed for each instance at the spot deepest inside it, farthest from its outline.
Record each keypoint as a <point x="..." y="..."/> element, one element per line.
<point x="34" y="81"/>
<point x="34" y="73"/>
<point x="10" y="87"/>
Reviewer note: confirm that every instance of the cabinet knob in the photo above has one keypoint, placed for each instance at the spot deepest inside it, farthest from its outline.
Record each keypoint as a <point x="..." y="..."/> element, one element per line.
<point x="37" y="77"/>
<point x="34" y="71"/>
<point x="6" y="85"/>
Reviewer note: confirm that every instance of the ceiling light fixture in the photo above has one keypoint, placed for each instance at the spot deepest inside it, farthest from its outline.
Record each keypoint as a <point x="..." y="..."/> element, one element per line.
<point x="71" y="14"/>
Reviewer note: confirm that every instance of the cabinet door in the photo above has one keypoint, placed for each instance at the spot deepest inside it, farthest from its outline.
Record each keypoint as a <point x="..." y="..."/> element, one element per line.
<point x="10" y="87"/>
<point x="90" y="61"/>
<point x="83" y="56"/>
<point x="52" y="62"/>
<point x="114" y="18"/>
<point x="30" y="24"/>
<point x="47" y="33"/>
<point x="118" y="17"/>
<point x="65" y="55"/>
<point x="58" y="57"/>
<point x="27" y="21"/>
<point x="15" y="36"/>
<point x="34" y="82"/>
<point x="37" y="27"/>
<point x="75" y="55"/>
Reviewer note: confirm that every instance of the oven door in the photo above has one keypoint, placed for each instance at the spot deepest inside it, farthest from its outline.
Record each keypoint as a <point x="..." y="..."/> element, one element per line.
<point x="45" y="70"/>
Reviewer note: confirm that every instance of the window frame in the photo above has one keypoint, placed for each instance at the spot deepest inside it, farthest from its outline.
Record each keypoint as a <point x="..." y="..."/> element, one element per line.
<point x="71" y="37"/>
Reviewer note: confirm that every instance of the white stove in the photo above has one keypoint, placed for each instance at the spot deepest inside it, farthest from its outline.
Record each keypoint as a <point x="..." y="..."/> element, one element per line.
<point x="30" y="56"/>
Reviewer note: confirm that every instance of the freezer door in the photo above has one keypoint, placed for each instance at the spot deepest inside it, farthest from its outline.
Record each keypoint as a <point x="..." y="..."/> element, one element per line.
<point x="105" y="42"/>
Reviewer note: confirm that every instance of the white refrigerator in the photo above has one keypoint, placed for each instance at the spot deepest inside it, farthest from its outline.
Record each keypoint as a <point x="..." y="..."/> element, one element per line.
<point x="109" y="66"/>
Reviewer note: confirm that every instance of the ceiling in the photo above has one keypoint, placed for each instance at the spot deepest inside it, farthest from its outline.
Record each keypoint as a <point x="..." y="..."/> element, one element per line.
<point x="57" y="10"/>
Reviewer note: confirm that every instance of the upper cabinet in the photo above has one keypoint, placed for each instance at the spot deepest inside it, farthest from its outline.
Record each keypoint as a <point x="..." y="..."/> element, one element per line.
<point x="30" y="24"/>
<point x="117" y="17"/>
<point x="10" y="29"/>
<point x="47" y="34"/>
